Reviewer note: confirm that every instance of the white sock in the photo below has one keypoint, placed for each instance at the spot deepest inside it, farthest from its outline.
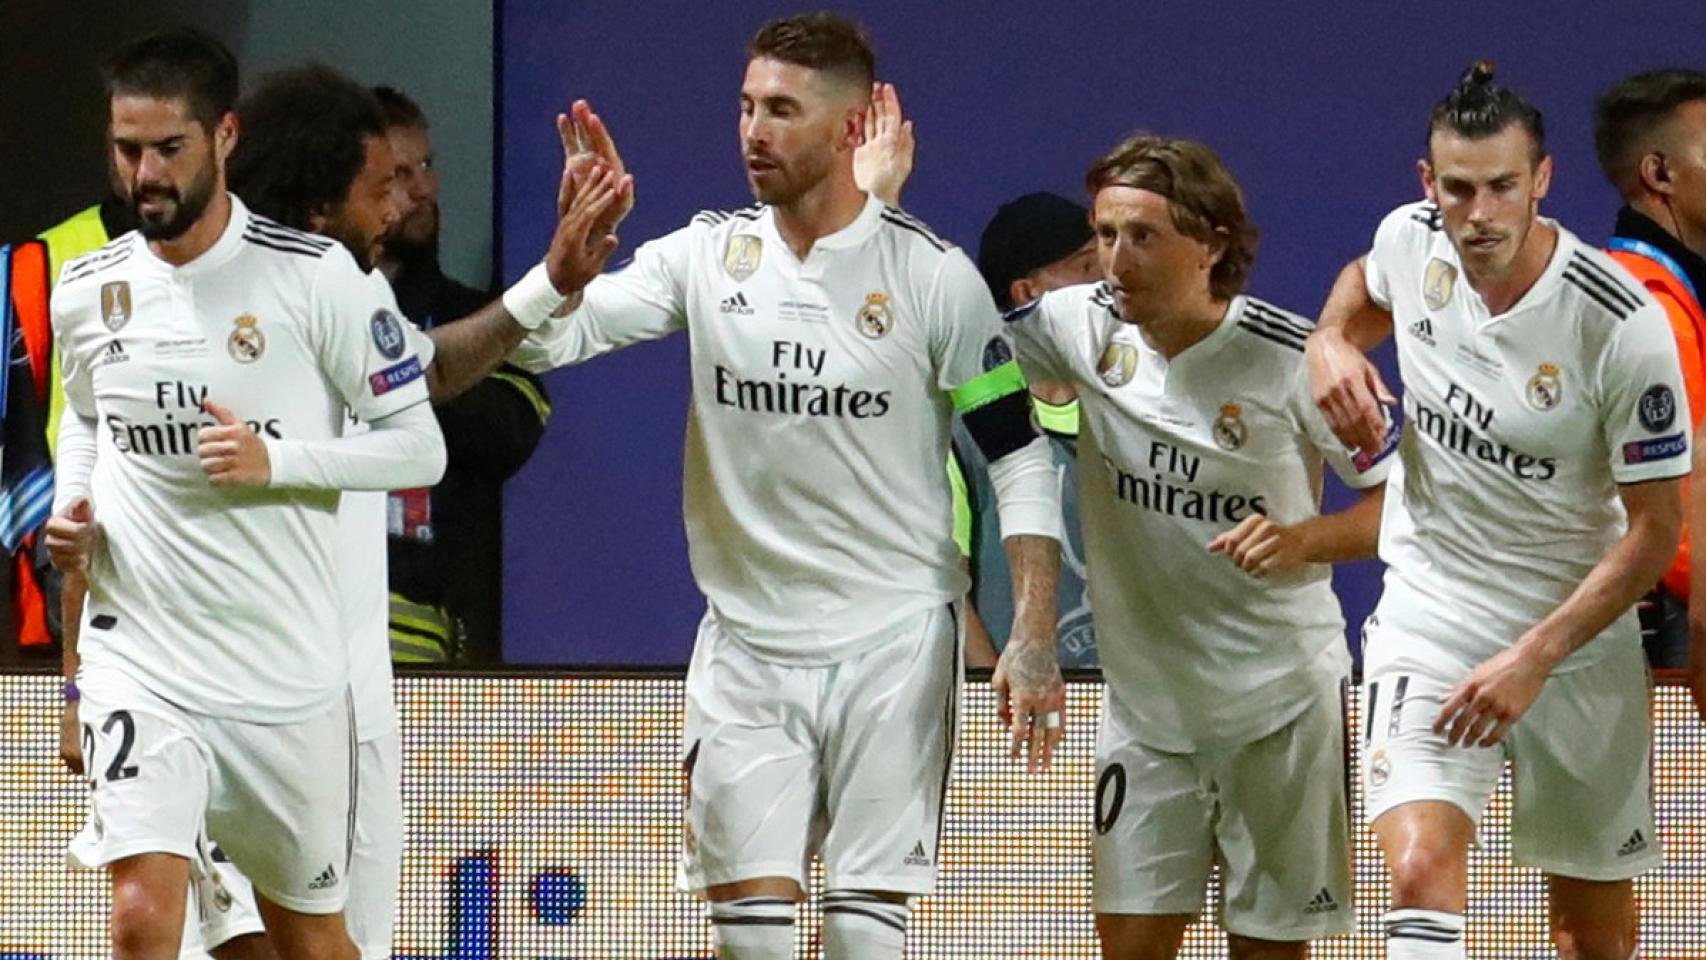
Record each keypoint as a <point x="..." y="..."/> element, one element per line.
<point x="1413" y="934"/>
<point x="756" y="928"/>
<point x="863" y="926"/>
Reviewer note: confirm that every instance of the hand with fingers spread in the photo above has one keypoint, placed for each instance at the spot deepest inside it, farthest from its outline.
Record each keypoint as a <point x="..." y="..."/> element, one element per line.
<point x="1481" y="709"/>
<point x="71" y="536"/>
<point x="580" y="246"/>
<point x="1263" y="548"/>
<point x="587" y="145"/>
<point x="883" y="161"/>
<point x="1348" y="389"/>
<point x="232" y="453"/>
<point x="1030" y="698"/>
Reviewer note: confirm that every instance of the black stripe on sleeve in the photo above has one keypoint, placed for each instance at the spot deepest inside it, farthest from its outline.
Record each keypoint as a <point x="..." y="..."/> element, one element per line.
<point x="1613" y="285"/>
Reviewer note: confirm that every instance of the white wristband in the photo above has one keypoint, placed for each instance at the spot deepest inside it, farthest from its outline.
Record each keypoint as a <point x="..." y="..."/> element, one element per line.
<point x="532" y="299"/>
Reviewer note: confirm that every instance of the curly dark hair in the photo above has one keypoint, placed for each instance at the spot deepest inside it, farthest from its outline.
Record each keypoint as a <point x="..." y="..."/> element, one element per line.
<point x="182" y="63"/>
<point x="303" y="140"/>
<point x="1478" y="108"/>
<point x="824" y="41"/>
<point x="1205" y="201"/>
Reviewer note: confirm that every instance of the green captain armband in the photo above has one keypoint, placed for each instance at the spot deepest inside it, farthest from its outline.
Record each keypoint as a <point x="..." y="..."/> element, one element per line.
<point x="992" y="385"/>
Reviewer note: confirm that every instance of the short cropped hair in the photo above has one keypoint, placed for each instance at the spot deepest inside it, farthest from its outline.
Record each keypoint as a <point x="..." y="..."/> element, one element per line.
<point x="1478" y="108"/>
<point x="1628" y="117"/>
<point x="823" y="41"/>
<point x="1205" y="201"/>
<point x="304" y="140"/>
<point x="182" y="63"/>
<point x="399" y="109"/>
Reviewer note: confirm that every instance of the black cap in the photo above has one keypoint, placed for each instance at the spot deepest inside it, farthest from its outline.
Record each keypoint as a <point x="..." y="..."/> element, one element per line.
<point x="1027" y="234"/>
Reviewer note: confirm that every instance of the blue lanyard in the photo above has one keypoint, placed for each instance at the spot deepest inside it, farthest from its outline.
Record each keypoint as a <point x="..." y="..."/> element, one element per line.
<point x="1663" y="259"/>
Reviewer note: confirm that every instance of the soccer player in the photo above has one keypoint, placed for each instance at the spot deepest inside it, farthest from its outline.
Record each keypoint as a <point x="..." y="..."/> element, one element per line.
<point x="314" y="156"/>
<point x="1535" y="499"/>
<point x="1650" y="134"/>
<point x="1200" y="466"/>
<point x="833" y="336"/>
<point x="213" y="675"/>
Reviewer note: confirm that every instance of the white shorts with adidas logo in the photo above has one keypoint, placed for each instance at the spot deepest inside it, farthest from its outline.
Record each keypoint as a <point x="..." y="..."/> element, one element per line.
<point x="1271" y="812"/>
<point x="849" y="760"/>
<point x="275" y="797"/>
<point x="1581" y="757"/>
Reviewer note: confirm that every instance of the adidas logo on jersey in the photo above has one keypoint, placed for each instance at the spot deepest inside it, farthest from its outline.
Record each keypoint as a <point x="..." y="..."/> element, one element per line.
<point x="1322" y="902"/>
<point x="1635" y="844"/>
<point x="919" y="857"/>
<point x="737" y="305"/>
<point x="1423" y="330"/>
<point x="114" y="353"/>
<point x="327" y="879"/>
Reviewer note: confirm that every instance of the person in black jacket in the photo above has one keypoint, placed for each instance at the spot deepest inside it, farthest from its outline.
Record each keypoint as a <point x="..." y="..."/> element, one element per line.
<point x="446" y="544"/>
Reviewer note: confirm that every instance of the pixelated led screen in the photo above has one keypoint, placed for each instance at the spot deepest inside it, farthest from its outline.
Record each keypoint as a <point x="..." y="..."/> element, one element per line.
<point x="543" y="817"/>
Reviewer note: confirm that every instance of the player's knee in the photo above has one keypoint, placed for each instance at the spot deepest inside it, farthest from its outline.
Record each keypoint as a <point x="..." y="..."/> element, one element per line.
<point x="1426" y="875"/>
<point x="1580" y="935"/>
<point x="140" y="927"/>
<point x="1246" y="948"/>
<point x="1140" y="936"/>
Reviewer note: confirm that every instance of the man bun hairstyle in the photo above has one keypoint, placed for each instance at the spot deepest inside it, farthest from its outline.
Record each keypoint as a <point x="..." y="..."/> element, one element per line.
<point x="1205" y="201"/>
<point x="1478" y="108"/>
<point x="825" y="41"/>
<point x="1630" y="118"/>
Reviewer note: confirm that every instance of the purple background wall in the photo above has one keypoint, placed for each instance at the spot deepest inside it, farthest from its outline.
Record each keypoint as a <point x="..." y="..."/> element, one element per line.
<point x="1319" y="109"/>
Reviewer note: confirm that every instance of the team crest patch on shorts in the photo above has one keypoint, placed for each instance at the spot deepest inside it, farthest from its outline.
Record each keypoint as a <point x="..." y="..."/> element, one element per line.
<point x="1545" y="388"/>
<point x="247" y="342"/>
<point x="874" y="319"/>
<point x="1379" y="770"/>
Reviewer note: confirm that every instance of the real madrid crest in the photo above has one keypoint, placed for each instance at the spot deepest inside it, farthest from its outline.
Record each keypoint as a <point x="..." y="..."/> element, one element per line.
<point x="874" y="319"/>
<point x="1379" y="770"/>
<point x="115" y="304"/>
<point x="1437" y="284"/>
<point x="1545" y="390"/>
<point x="247" y="342"/>
<point x="1229" y="430"/>
<point x="1118" y="364"/>
<point x="741" y="256"/>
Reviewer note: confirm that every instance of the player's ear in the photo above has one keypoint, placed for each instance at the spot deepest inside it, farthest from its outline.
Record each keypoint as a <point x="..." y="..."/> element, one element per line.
<point x="1425" y="170"/>
<point x="1022" y="291"/>
<point x="1542" y="177"/>
<point x="225" y="136"/>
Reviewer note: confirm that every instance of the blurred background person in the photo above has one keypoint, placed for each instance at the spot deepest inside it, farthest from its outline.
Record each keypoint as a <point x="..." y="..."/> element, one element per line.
<point x="446" y="543"/>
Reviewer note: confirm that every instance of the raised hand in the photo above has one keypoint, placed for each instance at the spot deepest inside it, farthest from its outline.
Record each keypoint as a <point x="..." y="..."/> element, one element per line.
<point x="883" y="162"/>
<point x="232" y="453"/>
<point x="581" y="245"/>
<point x="587" y="145"/>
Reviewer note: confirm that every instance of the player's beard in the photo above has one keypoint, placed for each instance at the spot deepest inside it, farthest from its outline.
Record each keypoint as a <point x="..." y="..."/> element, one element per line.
<point x="416" y="234"/>
<point x="789" y="181"/>
<point x="360" y="245"/>
<point x="184" y="209"/>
